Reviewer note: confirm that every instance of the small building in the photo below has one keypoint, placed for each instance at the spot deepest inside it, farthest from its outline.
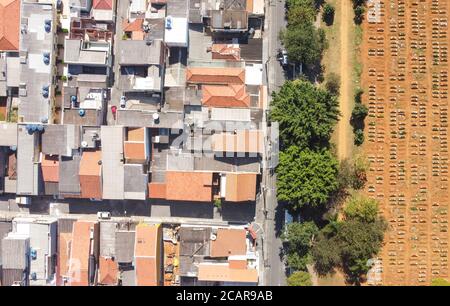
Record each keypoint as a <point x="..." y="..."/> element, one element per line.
<point x="176" y="32"/>
<point x="37" y="59"/>
<point x="43" y="237"/>
<point x="103" y="10"/>
<point x="225" y="96"/>
<point x="15" y="259"/>
<point x="189" y="186"/>
<point x="91" y="175"/>
<point x="112" y="162"/>
<point x="84" y="252"/>
<point x="215" y="75"/>
<point x="148" y="255"/>
<point x="9" y="31"/>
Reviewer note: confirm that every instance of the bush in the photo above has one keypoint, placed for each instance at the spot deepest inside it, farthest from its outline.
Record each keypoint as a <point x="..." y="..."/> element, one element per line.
<point x="333" y="83"/>
<point x="360" y="112"/>
<point x="299" y="278"/>
<point x="361" y="208"/>
<point x="352" y="173"/>
<point x="328" y="14"/>
<point x="359" y="137"/>
<point x="440" y="282"/>
<point x="359" y="13"/>
<point x="218" y="203"/>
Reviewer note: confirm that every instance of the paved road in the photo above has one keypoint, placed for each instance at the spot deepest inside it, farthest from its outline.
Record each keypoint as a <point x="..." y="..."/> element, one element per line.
<point x="276" y="22"/>
<point x="274" y="272"/>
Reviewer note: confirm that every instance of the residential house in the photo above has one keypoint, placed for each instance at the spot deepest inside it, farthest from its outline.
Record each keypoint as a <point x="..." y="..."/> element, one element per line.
<point x="84" y="250"/>
<point x="37" y="59"/>
<point x="42" y="235"/>
<point x="148" y="255"/>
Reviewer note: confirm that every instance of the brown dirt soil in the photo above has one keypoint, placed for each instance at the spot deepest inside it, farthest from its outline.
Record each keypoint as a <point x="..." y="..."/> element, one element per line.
<point x="405" y="81"/>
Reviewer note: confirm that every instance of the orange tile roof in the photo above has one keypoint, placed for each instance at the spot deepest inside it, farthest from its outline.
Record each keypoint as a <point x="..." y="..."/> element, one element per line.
<point x="9" y="25"/>
<point x="189" y="186"/>
<point x="215" y="75"/>
<point x="240" y="187"/>
<point x="108" y="271"/>
<point x="147" y="254"/>
<point x="80" y="251"/>
<point x="90" y="175"/>
<point x="229" y="241"/>
<point x="237" y="263"/>
<point x="103" y="4"/>
<point x="223" y="273"/>
<point x="136" y="134"/>
<point x="248" y="141"/>
<point x="226" y="51"/>
<point x="136" y="25"/>
<point x="157" y="190"/>
<point x="225" y="96"/>
<point x="50" y="168"/>
<point x="134" y="150"/>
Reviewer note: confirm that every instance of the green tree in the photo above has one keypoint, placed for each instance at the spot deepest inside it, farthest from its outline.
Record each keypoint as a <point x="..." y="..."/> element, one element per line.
<point x="358" y="242"/>
<point x="306" y="177"/>
<point x="359" y="13"/>
<point x="440" y="282"/>
<point x="300" y="11"/>
<point x="333" y="82"/>
<point x="299" y="278"/>
<point x="361" y="208"/>
<point x="306" y="114"/>
<point x="303" y="42"/>
<point x="359" y="112"/>
<point x="325" y="254"/>
<point x="359" y="137"/>
<point x="328" y="14"/>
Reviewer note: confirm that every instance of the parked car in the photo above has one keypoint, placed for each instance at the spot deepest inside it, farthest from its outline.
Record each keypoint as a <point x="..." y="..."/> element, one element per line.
<point x="102" y="215"/>
<point x="123" y="102"/>
<point x="283" y="57"/>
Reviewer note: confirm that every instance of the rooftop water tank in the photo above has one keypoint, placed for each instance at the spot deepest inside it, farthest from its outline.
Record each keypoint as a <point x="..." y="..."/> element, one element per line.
<point x="81" y="112"/>
<point x="169" y="22"/>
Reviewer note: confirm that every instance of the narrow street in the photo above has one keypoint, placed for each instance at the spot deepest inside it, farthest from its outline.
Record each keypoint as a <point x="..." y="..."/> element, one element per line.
<point x="269" y="213"/>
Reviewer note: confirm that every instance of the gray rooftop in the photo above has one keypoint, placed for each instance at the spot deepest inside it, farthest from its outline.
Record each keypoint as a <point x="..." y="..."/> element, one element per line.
<point x="137" y="52"/>
<point x="177" y="8"/>
<point x="34" y="73"/>
<point x="69" y="179"/>
<point x="137" y="118"/>
<point x="135" y="182"/>
<point x="124" y="246"/>
<point x="229" y="20"/>
<point x="92" y="117"/>
<point x="112" y="162"/>
<point x="8" y="132"/>
<point x="28" y="180"/>
<point x="14" y="250"/>
<point x="60" y="139"/>
<point x="75" y="52"/>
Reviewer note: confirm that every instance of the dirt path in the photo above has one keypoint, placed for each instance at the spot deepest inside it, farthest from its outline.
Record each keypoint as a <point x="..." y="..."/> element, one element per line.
<point x="345" y="139"/>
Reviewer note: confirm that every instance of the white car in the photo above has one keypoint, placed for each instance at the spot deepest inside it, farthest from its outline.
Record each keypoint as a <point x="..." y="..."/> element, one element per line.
<point x="102" y="215"/>
<point x="284" y="58"/>
<point x="123" y="102"/>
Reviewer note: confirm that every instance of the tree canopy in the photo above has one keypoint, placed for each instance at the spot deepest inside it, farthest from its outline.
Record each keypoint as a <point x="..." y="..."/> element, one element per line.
<point x="306" y="177"/>
<point x="303" y="42"/>
<point x="361" y="208"/>
<point x="299" y="278"/>
<point x="306" y="114"/>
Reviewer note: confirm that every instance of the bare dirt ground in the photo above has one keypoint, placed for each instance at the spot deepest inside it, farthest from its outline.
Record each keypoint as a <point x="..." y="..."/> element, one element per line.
<point x="405" y="81"/>
<point x="344" y="130"/>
